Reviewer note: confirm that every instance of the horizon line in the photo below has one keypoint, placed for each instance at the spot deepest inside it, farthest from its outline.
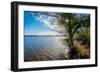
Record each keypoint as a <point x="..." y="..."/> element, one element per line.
<point x="43" y="35"/>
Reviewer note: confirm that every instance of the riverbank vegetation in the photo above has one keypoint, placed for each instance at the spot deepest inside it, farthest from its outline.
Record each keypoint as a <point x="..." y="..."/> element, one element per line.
<point x="77" y="27"/>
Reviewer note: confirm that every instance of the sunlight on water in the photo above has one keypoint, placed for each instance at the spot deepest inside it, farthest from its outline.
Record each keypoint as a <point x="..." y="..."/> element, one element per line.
<point x="50" y="46"/>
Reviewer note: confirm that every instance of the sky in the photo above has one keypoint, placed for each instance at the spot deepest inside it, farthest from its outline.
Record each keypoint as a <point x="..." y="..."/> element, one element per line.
<point x="41" y="23"/>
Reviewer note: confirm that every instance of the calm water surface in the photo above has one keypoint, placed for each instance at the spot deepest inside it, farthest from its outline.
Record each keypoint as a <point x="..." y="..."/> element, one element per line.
<point x="52" y="46"/>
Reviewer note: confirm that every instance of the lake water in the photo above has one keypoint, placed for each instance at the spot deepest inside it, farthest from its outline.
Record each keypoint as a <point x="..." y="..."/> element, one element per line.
<point x="44" y="48"/>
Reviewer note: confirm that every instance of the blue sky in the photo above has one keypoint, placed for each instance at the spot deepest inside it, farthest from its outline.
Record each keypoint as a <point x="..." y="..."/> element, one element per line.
<point x="38" y="23"/>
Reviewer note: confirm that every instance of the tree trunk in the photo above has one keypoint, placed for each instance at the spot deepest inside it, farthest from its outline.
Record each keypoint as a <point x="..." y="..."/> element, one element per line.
<point x="73" y="51"/>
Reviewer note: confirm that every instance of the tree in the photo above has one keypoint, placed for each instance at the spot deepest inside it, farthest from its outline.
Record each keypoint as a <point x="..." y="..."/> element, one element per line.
<point x="72" y="23"/>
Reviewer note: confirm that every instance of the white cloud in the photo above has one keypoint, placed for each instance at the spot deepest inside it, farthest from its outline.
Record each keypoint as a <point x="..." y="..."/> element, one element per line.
<point x="49" y="20"/>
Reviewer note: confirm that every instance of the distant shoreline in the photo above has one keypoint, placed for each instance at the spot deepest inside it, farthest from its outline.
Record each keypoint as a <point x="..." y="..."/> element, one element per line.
<point x="44" y="35"/>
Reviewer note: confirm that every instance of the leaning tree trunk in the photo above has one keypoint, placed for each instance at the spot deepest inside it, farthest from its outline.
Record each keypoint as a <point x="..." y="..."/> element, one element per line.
<point x="73" y="50"/>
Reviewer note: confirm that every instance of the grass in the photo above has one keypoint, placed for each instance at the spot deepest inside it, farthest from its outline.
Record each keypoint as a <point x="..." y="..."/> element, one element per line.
<point x="83" y="51"/>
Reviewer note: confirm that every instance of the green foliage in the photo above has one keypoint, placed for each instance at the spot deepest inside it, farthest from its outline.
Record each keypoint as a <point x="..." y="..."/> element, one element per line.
<point x="74" y="21"/>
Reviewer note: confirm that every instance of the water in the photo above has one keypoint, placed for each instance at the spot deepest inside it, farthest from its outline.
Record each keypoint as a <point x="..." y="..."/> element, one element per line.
<point x="51" y="47"/>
